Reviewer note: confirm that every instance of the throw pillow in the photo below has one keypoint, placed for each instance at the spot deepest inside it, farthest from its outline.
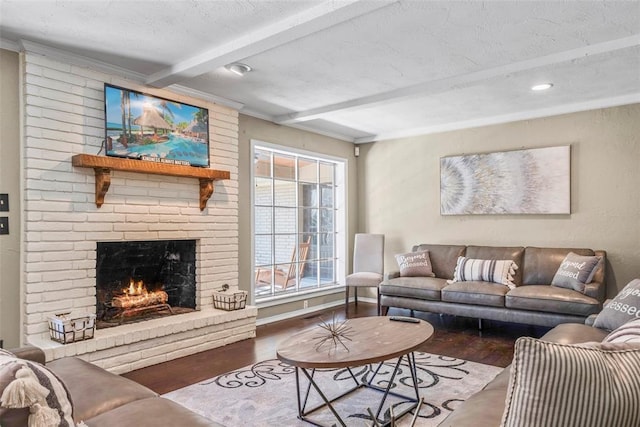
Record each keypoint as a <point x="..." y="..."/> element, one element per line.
<point x="576" y="271"/>
<point x="623" y="308"/>
<point x="485" y="270"/>
<point x="415" y="264"/>
<point x="30" y="394"/>
<point x="629" y="333"/>
<point x="565" y="385"/>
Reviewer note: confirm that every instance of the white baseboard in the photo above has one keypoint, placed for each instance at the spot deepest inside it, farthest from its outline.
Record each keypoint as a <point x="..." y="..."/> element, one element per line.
<point x="306" y="311"/>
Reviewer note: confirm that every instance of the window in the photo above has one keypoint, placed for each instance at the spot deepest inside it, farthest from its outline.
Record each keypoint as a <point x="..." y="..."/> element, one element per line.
<point x="298" y="221"/>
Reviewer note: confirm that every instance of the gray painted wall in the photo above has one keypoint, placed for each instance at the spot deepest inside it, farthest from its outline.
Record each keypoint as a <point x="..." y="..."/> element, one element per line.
<point x="10" y="183"/>
<point x="399" y="189"/>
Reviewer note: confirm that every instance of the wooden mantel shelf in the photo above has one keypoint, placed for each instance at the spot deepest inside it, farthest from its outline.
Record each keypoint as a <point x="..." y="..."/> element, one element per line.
<point x="103" y="166"/>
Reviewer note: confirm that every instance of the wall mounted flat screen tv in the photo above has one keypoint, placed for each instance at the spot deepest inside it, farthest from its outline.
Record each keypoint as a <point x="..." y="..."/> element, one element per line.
<point x="147" y="127"/>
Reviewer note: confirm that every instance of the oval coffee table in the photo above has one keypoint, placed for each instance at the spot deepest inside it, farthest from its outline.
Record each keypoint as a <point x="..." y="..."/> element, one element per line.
<point x="367" y="340"/>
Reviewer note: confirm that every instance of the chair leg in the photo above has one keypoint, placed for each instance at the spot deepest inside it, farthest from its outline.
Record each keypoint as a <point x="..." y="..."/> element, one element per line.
<point x="346" y="299"/>
<point x="378" y="303"/>
<point x="355" y="294"/>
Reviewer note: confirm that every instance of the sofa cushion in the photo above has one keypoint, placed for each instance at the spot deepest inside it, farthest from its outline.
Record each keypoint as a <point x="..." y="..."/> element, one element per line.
<point x="629" y="333"/>
<point x="102" y="393"/>
<point x="427" y="288"/>
<point x="551" y="299"/>
<point x="443" y="258"/>
<point x="576" y="271"/>
<point x="415" y="264"/>
<point x="514" y="253"/>
<point x="151" y="412"/>
<point x="478" y="293"/>
<point x="364" y="278"/>
<point x="485" y="270"/>
<point x="572" y="386"/>
<point x="623" y="308"/>
<point x="30" y="394"/>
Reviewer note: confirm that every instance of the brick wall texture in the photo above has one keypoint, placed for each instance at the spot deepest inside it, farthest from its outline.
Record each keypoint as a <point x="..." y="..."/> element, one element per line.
<point x="64" y="116"/>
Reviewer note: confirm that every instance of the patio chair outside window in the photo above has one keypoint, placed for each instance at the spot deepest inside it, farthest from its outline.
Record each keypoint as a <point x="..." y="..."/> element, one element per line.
<point x="282" y="278"/>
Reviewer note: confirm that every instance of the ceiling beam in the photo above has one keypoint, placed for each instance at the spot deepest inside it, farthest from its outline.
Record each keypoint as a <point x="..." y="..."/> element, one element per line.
<point x="556" y="110"/>
<point x="449" y="83"/>
<point x="325" y="15"/>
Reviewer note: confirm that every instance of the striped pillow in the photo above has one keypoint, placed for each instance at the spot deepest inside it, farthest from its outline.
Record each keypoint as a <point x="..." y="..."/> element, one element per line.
<point x="629" y="332"/>
<point x="30" y="394"/>
<point x="485" y="270"/>
<point x="565" y="385"/>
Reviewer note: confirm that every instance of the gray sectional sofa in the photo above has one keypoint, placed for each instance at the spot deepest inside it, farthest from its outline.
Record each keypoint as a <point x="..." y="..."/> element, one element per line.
<point x="532" y="301"/>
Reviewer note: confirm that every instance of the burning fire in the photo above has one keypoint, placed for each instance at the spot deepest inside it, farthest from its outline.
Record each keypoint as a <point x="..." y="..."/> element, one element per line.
<point x="137" y="295"/>
<point x="135" y="288"/>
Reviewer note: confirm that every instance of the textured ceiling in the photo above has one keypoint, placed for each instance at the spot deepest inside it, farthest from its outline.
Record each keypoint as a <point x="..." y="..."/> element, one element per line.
<point x="359" y="70"/>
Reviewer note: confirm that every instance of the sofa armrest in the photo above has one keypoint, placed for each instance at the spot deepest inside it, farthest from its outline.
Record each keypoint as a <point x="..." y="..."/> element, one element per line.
<point x="595" y="290"/>
<point x="31" y="353"/>
<point x="392" y="275"/>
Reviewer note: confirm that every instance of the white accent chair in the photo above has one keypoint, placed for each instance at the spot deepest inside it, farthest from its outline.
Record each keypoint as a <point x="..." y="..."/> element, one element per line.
<point x="368" y="265"/>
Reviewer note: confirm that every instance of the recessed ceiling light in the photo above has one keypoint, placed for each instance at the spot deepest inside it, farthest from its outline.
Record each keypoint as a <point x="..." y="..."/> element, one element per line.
<point x="542" y="86"/>
<point x="238" y="68"/>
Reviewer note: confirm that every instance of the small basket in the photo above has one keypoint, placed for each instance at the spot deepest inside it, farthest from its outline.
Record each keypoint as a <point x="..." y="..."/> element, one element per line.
<point x="229" y="300"/>
<point x="65" y="330"/>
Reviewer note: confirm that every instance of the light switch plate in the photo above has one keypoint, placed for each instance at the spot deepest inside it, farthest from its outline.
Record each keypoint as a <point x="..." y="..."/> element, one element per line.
<point x="4" y="202"/>
<point x="4" y="225"/>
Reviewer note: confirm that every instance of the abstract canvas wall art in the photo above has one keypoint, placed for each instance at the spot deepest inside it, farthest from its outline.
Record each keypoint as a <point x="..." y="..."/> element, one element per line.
<point x="531" y="181"/>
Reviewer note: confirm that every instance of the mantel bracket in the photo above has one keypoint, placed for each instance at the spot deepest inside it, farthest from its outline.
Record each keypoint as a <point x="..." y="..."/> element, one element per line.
<point x="103" y="165"/>
<point x="103" y="181"/>
<point x="206" y="190"/>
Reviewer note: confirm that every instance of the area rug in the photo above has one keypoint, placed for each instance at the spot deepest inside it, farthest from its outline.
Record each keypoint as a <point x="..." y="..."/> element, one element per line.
<point x="264" y="394"/>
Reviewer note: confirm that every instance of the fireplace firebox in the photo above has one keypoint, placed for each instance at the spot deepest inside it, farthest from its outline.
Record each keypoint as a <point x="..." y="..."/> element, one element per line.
<point x="140" y="280"/>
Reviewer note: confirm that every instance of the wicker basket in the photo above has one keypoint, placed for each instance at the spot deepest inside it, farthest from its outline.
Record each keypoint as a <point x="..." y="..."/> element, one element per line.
<point x="229" y="300"/>
<point x="65" y="329"/>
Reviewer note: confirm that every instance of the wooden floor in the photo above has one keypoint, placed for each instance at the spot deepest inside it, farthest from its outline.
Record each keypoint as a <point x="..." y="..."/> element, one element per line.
<point x="454" y="336"/>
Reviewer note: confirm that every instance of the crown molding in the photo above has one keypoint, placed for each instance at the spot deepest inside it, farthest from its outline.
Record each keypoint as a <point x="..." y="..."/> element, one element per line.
<point x="9" y="45"/>
<point x="94" y="64"/>
<point x="576" y="107"/>
<point x="79" y="60"/>
<point x="270" y="118"/>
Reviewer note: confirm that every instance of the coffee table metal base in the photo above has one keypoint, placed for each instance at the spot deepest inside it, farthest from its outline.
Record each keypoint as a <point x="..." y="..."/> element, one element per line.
<point x="303" y="411"/>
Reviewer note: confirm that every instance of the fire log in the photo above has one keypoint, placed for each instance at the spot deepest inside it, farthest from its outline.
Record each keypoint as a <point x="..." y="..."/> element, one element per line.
<point x="133" y="301"/>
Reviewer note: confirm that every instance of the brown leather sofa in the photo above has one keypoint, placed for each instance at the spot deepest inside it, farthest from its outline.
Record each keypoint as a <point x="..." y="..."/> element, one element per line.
<point x="102" y="399"/>
<point x="486" y="407"/>
<point x="533" y="301"/>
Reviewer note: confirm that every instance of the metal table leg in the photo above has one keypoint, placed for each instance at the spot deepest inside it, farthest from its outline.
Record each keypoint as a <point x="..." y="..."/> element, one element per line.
<point x="310" y="374"/>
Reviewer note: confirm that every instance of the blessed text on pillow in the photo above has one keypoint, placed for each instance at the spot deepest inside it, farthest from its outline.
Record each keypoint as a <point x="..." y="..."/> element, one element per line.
<point x="415" y="264"/>
<point x="576" y="271"/>
<point x="623" y="308"/>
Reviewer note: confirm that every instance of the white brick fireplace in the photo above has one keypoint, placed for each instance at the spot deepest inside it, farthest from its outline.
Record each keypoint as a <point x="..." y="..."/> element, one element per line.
<point x="64" y="116"/>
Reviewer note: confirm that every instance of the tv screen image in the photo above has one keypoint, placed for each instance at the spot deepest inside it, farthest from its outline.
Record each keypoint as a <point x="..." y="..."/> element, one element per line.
<point x="147" y="127"/>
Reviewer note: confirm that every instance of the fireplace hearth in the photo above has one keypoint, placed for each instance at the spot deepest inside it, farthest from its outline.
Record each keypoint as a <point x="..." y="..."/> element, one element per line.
<point x="140" y="280"/>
